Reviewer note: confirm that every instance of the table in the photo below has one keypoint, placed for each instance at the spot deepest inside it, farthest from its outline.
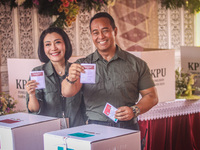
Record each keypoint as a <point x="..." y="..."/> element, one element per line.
<point x="173" y="125"/>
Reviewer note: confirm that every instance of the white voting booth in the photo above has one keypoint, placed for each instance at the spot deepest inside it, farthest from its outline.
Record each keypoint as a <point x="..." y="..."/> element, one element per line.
<point x="162" y="67"/>
<point x="23" y="131"/>
<point x="92" y="137"/>
<point x="18" y="74"/>
<point x="190" y="62"/>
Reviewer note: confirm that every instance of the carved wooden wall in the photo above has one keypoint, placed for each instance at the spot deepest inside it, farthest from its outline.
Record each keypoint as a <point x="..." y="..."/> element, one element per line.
<point x="20" y="30"/>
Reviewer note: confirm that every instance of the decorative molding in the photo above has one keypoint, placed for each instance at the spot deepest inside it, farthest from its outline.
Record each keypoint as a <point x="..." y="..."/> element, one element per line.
<point x="71" y="32"/>
<point x="85" y="41"/>
<point x="26" y="33"/>
<point x="162" y="28"/>
<point x="188" y="29"/>
<point x="6" y="34"/>
<point x="175" y="29"/>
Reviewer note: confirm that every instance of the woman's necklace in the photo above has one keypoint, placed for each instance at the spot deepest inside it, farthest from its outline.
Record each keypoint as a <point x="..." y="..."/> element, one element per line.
<point x="60" y="70"/>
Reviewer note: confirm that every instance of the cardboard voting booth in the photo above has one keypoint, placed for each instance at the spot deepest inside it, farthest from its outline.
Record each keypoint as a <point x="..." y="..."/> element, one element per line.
<point x="162" y="67"/>
<point x="92" y="137"/>
<point x="190" y="62"/>
<point x="18" y="74"/>
<point x="23" y="131"/>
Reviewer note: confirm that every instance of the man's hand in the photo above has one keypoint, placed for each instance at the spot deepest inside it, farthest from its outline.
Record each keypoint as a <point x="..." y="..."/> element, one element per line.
<point x="124" y="113"/>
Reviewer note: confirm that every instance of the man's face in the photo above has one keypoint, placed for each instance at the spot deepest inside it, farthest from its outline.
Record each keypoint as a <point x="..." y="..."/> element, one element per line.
<point x="103" y="35"/>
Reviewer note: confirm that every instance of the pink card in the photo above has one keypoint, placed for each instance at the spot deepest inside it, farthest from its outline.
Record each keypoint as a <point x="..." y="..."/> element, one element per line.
<point x="109" y="111"/>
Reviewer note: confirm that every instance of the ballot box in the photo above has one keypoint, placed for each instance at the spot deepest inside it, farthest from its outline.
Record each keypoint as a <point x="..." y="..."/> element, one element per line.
<point x="23" y="131"/>
<point x="92" y="137"/>
<point x="161" y="63"/>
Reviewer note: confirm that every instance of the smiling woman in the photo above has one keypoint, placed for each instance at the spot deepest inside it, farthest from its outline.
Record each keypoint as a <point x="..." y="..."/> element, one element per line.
<point x="54" y="50"/>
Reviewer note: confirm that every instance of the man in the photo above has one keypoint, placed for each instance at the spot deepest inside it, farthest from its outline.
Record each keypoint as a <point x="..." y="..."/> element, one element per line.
<point x="120" y="77"/>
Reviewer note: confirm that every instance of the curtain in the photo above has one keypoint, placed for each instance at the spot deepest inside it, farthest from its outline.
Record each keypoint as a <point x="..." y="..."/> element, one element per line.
<point x="173" y="133"/>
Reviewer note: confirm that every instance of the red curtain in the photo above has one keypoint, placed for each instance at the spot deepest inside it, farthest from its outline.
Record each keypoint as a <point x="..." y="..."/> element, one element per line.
<point x="173" y="133"/>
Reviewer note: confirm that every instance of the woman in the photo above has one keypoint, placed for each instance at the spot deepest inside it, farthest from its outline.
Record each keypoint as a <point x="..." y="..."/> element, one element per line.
<point x="54" y="50"/>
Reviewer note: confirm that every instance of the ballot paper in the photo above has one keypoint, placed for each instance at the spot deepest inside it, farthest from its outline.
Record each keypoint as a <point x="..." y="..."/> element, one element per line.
<point x="109" y="111"/>
<point x="90" y="73"/>
<point x="38" y="76"/>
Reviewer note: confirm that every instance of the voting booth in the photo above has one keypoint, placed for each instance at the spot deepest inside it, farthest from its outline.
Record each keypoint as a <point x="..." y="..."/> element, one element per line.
<point x="92" y="137"/>
<point x="190" y="62"/>
<point x="162" y="68"/>
<point x="18" y="75"/>
<point x="23" y="131"/>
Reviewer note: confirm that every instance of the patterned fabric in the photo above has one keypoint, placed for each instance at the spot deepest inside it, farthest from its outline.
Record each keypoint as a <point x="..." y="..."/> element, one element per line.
<point x="174" y="108"/>
<point x="137" y="24"/>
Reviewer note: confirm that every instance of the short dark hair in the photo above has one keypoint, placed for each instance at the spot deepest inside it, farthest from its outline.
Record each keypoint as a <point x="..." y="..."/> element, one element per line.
<point x="68" y="47"/>
<point x="105" y="15"/>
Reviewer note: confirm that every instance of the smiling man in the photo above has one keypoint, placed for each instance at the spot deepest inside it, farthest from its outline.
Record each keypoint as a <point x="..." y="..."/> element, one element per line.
<point x="120" y="78"/>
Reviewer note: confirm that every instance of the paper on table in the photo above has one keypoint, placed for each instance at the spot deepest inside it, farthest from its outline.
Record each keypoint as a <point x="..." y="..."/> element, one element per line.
<point x="38" y="76"/>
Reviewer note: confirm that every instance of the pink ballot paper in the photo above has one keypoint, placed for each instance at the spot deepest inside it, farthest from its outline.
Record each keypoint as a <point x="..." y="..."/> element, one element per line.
<point x="109" y="111"/>
<point x="90" y="73"/>
<point x="38" y="76"/>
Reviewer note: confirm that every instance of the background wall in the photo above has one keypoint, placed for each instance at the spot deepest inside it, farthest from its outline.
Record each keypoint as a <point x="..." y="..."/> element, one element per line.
<point x="142" y="24"/>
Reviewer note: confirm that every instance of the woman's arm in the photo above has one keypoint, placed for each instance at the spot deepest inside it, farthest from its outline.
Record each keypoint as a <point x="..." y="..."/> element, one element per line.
<point x="71" y="85"/>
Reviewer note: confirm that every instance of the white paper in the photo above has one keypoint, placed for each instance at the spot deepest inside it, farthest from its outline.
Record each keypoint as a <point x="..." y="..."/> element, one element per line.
<point x="109" y="111"/>
<point x="90" y="73"/>
<point x="38" y="76"/>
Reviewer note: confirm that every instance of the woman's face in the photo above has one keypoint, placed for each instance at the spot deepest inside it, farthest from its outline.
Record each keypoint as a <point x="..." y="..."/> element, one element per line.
<point x="54" y="47"/>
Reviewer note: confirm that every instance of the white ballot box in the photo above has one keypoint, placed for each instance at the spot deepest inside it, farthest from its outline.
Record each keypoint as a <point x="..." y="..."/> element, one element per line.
<point x="162" y="67"/>
<point x="92" y="137"/>
<point x="23" y="131"/>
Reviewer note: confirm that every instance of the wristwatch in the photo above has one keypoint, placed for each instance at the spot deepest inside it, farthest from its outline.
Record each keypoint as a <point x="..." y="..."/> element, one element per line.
<point x="136" y="110"/>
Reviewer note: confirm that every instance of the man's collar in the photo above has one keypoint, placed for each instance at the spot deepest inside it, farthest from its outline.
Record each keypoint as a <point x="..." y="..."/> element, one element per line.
<point x="120" y="53"/>
<point x="96" y="56"/>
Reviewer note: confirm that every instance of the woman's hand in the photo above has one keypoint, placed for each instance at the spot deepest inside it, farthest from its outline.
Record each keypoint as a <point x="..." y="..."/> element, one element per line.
<point x="31" y="86"/>
<point x="75" y="71"/>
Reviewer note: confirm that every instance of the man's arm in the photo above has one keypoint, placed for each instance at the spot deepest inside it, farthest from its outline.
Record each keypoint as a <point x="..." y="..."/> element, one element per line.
<point x="148" y="100"/>
<point x="71" y="84"/>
